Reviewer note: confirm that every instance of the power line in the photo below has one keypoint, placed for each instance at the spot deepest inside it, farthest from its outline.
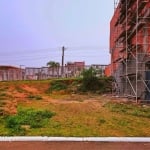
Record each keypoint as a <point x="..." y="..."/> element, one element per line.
<point x="86" y="47"/>
<point x="22" y="51"/>
<point x="41" y="54"/>
<point x="72" y="53"/>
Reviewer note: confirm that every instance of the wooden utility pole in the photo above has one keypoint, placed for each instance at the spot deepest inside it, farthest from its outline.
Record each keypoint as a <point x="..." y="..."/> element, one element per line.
<point x="62" y="64"/>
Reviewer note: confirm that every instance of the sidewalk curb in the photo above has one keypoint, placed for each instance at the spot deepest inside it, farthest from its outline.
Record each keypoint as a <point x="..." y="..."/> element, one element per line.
<point x="73" y="139"/>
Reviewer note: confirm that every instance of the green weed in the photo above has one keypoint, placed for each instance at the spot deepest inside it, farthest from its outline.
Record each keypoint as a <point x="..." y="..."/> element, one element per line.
<point x="30" y="117"/>
<point x="129" y="109"/>
<point x="57" y="86"/>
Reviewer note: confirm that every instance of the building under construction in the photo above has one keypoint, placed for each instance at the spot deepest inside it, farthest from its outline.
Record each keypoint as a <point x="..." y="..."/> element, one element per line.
<point x="130" y="48"/>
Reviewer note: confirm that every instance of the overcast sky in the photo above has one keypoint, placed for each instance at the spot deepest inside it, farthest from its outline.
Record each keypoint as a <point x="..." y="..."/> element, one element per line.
<point x="32" y="32"/>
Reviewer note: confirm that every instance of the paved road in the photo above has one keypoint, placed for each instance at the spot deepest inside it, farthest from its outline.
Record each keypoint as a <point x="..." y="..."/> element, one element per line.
<point x="73" y="146"/>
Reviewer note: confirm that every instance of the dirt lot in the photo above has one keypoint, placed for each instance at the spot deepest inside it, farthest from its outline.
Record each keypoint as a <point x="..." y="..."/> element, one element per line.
<point x="76" y="114"/>
<point x="73" y="146"/>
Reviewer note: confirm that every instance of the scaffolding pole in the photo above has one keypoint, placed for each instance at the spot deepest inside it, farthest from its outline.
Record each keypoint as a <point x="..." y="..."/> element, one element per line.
<point x="136" y="88"/>
<point x="132" y="19"/>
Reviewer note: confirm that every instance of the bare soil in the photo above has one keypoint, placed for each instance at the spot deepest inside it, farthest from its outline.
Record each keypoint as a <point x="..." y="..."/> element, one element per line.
<point x="27" y="90"/>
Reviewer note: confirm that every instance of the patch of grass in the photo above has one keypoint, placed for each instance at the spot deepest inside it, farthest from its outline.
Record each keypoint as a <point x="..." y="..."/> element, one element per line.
<point x="118" y="107"/>
<point x="129" y="109"/>
<point x="57" y="85"/>
<point x="123" y="123"/>
<point x="27" y="117"/>
<point x="141" y="112"/>
<point x="69" y="84"/>
<point x="3" y="130"/>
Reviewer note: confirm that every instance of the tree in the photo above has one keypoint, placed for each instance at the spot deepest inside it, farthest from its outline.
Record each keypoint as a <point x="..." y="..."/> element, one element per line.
<point x="53" y="66"/>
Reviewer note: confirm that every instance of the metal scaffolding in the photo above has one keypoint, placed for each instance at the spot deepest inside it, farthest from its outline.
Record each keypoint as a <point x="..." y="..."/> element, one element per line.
<point x="131" y="54"/>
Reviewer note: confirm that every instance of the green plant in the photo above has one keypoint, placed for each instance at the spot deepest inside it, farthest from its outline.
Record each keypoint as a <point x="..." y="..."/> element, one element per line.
<point x="57" y="85"/>
<point x="128" y="109"/>
<point x="90" y="81"/>
<point x="17" y="130"/>
<point x="32" y="118"/>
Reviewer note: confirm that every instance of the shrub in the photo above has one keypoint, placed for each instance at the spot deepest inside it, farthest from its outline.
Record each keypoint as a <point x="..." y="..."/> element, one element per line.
<point x="91" y="82"/>
<point x="57" y="85"/>
<point x="17" y="130"/>
<point x="11" y="122"/>
<point x="88" y="82"/>
<point x="68" y="84"/>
